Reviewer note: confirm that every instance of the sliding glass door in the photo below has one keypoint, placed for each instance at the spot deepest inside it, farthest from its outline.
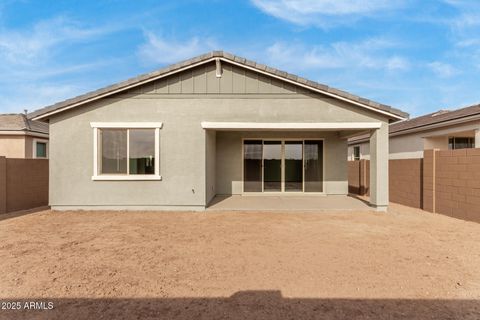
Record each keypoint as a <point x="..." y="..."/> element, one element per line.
<point x="272" y="166"/>
<point x="313" y="166"/>
<point x="283" y="165"/>
<point x="252" y="165"/>
<point x="293" y="166"/>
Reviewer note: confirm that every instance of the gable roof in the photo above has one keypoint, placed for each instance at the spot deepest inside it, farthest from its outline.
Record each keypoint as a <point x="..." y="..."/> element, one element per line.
<point x="44" y="113"/>
<point x="20" y="122"/>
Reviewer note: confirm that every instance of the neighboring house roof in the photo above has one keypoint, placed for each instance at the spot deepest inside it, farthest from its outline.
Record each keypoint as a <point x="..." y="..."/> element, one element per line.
<point x="44" y="113"/>
<point x="20" y="122"/>
<point x="435" y="118"/>
<point x="425" y="122"/>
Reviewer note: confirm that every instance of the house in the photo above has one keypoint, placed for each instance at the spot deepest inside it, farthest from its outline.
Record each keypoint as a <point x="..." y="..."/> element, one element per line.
<point x="21" y="137"/>
<point x="442" y="130"/>
<point x="217" y="124"/>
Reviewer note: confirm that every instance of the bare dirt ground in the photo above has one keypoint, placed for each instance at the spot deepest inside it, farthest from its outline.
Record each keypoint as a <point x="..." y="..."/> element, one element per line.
<point x="407" y="264"/>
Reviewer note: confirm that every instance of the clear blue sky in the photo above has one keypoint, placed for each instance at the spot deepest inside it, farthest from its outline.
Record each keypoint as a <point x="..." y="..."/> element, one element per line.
<point x="419" y="56"/>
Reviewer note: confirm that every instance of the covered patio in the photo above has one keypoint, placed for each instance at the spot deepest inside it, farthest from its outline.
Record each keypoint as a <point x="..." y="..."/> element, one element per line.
<point x="298" y="203"/>
<point x="290" y="166"/>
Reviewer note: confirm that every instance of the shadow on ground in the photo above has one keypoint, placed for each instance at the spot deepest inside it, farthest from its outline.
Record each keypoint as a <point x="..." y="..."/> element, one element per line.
<point x="249" y="305"/>
<point x="16" y="214"/>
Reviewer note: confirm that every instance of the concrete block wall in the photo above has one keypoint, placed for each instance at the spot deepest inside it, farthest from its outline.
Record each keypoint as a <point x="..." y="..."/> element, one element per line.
<point x="445" y="182"/>
<point x="23" y="184"/>
<point x="3" y="185"/>
<point x="455" y="183"/>
<point x="429" y="180"/>
<point x="405" y="180"/>
<point x="354" y="175"/>
<point x="359" y="177"/>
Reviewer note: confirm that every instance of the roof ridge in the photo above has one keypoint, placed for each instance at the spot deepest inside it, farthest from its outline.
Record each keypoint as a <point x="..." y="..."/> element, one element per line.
<point x="203" y="58"/>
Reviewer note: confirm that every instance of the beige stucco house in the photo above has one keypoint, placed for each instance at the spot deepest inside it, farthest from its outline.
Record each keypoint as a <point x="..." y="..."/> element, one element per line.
<point x="21" y="137"/>
<point x="216" y="124"/>
<point x="442" y="130"/>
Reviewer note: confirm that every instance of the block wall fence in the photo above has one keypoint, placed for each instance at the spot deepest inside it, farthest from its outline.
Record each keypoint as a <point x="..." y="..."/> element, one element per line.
<point x="452" y="183"/>
<point x="445" y="182"/>
<point x="23" y="184"/>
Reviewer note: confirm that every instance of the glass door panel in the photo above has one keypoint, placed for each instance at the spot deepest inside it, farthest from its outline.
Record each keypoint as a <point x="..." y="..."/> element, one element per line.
<point x="293" y="166"/>
<point x="252" y="166"/>
<point x="313" y="166"/>
<point x="272" y="166"/>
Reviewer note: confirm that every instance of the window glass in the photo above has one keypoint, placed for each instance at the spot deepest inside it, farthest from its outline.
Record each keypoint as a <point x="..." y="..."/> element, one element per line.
<point x="41" y="148"/>
<point x="252" y="165"/>
<point x="293" y="166"/>
<point x="142" y="151"/>
<point x="272" y="166"/>
<point x="356" y="153"/>
<point x="461" y="143"/>
<point x="114" y="151"/>
<point x="450" y="144"/>
<point x="313" y="166"/>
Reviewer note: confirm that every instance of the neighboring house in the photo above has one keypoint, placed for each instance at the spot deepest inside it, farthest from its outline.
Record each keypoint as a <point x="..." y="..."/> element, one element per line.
<point x="213" y="125"/>
<point x="21" y="137"/>
<point x="442" y="130"/>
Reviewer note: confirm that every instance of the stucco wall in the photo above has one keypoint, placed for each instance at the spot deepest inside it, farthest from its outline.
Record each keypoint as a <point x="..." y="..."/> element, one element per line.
<point x="406" y="147"/>
<point x="29" y="147"/>
<point x="440" y="143"/>
<point x="12" y="146"/>
<point x="364" y="151"/>
<point x="183" y="143"/>
<point x="210" y="163"/>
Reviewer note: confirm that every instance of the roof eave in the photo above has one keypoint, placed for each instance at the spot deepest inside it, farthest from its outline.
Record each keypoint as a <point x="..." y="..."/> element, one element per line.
<point x="203" y="59"/>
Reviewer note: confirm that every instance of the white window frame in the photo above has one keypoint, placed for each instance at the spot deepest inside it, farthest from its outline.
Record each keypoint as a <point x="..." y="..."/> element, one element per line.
<point x="34" y="147"/>
<point x="126" y="125"/>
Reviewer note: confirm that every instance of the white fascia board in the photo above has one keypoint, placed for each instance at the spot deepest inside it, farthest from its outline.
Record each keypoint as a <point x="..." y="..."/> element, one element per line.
<point x="127" y="125"/>
<point x="290" y="126"/>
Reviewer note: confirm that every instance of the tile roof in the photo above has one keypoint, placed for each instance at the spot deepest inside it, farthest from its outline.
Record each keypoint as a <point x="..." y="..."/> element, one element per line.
<point x="208" y="57"/>
<point x="434" y="118"/>
<point x="418" y="123"/>
<point x="20" y="122"/>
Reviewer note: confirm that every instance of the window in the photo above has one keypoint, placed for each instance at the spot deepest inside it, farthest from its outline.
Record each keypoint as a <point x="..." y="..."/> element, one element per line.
<point x="356" y="153"/>
<point x="460" y="143"/>
<point x="40" y="149"/>
<point x="126" y="151"/>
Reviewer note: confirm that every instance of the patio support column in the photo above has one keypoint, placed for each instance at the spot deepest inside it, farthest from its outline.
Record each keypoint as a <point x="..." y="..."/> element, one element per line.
<point x="379" y="155"/>
<point x="477" y="138"/>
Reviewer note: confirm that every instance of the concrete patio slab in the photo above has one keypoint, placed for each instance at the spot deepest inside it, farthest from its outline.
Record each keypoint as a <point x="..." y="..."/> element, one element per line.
<point x="287" y="203"/>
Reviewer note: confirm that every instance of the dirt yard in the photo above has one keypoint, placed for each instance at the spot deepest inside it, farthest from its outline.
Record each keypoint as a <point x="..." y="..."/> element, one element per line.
<point x="407" y="264"/>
